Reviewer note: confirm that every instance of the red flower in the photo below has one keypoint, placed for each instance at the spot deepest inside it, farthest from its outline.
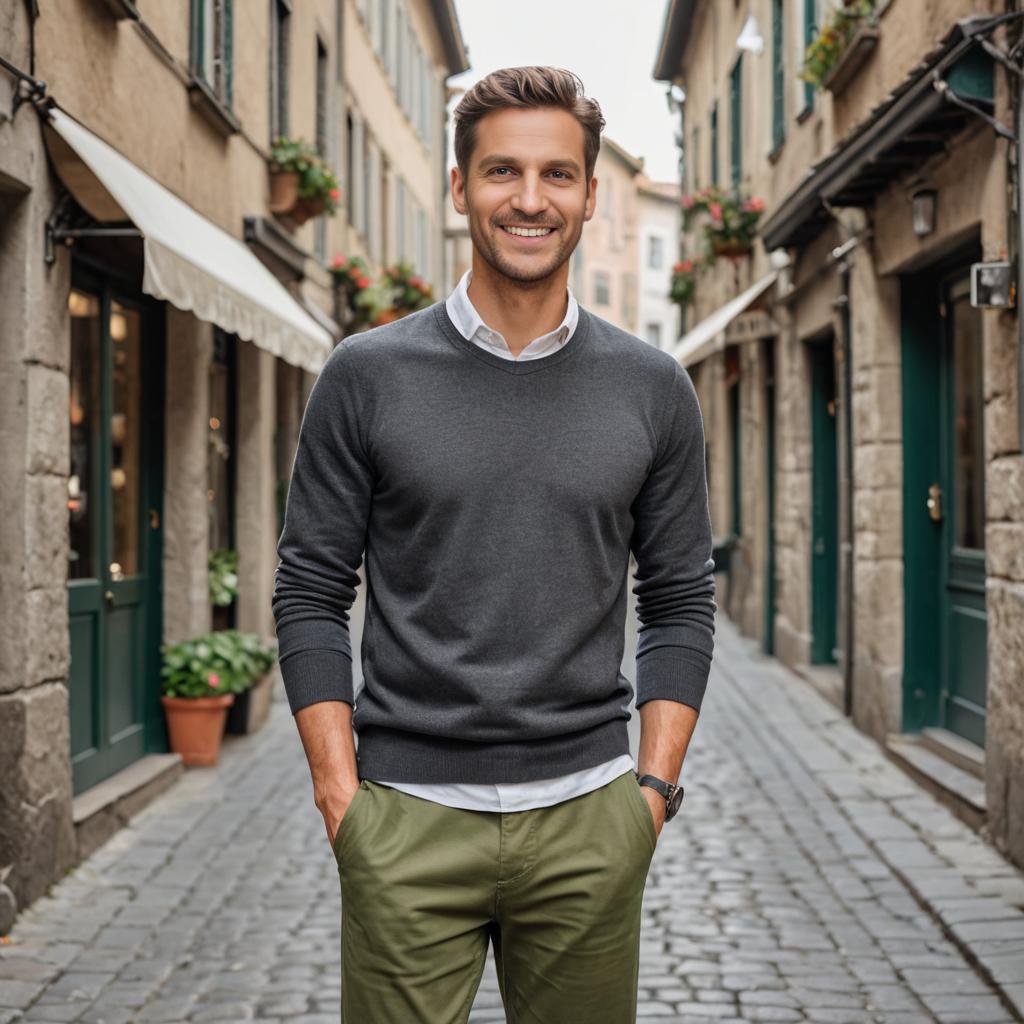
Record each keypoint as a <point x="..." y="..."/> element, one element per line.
<point x="416" y="282"/>
<point x="687" y="202"/>
<point x="362" y="282"/>
<point x="686" y="266"/>
<point x="334" y="194"/>
<point x="213" y="679"/>
<point x="715" y="209"/>
<point x="338" y="262"/>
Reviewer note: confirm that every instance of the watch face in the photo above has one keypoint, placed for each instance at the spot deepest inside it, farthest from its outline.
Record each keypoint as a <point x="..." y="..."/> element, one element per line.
<point x="673" y="804"/>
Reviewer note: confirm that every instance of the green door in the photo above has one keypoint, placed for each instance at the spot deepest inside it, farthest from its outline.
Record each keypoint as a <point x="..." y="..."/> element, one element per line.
<point x="824" y="504"/>
<point x="944" y="507"/>
<point x="114" y="510"/>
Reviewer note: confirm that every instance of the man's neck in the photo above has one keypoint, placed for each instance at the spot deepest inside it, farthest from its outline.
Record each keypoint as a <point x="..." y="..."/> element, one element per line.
<point x="519" y="312"/>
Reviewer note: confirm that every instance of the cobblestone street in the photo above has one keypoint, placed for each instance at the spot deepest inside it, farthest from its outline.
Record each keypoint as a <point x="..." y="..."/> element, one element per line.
<point x="806" y="879"/>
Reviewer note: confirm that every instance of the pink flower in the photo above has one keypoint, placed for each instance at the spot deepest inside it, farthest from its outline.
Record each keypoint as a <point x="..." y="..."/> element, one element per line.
<point x="686" y="266"/>
<point x="687" y="202"/>
<point x="213" y="679"/>
<point x="338" y="262"/>
<point x="715" y="209"/>
<point x="757" y="205"/>
<point x="334" y="194"/>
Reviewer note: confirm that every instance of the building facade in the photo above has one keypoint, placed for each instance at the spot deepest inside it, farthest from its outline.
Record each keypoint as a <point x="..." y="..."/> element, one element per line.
<point x="659" y="216"/>
<point x="160" y="329"/>
<point x="862" y="407"/>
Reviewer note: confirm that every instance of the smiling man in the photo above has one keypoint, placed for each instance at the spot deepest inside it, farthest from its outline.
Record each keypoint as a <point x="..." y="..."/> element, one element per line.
<point x="497" y="457"/>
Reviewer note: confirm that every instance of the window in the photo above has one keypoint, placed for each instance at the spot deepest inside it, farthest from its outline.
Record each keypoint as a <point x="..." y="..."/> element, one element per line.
<point x="366" y="186"/>
<point x="400" y="242"/>
<point x="212" y="46"/>
<point x="778" y="76"/>
<point x="810" y="29"/>
<point x="736" y="121"/>
<point x="653" y="334"/>
<point x="714" y="144"/>
<point x="350" y="150"/>
<point x="655" y="252"/>
<point x="279" y="19"/>
<point x="322" y="141"/>
<point x="602" y="291"/>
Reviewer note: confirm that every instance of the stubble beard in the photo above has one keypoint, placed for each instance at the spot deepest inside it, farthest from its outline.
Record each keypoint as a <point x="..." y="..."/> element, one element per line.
<point x="487" y="245"/>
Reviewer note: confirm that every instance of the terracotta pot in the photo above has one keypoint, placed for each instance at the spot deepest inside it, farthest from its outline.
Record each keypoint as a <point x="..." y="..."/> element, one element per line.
<point x="731" y="247"/>
<point x="389" y="315"/>
<point x="284" y="190"/>
<point x="195" y="726"/>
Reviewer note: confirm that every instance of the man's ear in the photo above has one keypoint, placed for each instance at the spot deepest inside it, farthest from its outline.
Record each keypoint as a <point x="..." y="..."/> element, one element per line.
<point x="591" y="204"/>
<point x="458" y="187"/>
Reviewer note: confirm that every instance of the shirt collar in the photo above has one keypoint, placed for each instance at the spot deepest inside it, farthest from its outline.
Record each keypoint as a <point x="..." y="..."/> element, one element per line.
<point x="468" y="321"/>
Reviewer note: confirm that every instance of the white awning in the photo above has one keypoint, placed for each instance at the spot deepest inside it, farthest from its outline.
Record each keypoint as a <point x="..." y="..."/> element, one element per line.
<point x="189" y="261"/>
<point x="708" y="335"/>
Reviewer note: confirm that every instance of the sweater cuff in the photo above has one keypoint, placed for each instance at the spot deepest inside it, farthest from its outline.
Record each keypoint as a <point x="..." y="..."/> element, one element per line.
<point x="672" y="673"/>
<point x="313" y="676"/>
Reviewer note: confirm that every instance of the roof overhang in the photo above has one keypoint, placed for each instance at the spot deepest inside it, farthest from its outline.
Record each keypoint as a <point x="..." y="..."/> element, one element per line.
<point x="914" y="123"/>
<point x="674" y="33"/>
<point x="709" y="335"/>
<point x="451" y="36"/>
<point x="188" y="260"/>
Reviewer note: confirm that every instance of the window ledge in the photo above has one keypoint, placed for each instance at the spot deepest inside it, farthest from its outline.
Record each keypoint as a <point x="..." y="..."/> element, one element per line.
<point x="805" y="113"/>
<point x="217" y="114"/>
<point x="774" y="154"/>
<point x="851" y="59"/>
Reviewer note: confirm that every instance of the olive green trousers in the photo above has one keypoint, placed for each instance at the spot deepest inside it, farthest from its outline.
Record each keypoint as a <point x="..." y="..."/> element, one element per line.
<point x="557" y="890"/>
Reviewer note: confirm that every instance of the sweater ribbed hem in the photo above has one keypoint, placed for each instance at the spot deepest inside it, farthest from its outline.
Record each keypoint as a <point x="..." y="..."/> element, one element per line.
<point x="672" y="673"/>
<point x="312" y="676"/>
<point x="398" y="756"/>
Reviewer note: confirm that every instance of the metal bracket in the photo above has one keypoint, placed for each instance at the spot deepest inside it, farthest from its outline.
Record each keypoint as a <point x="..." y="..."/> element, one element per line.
<point x="943" y="87"/>
<point x="68" y="222"/>
<point x="28" y="90"/>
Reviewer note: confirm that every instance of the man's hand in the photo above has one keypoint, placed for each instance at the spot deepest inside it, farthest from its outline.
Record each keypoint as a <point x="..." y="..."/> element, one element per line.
<point x="326" y="732"/>
<point x="665" y="730"/>
<point x="333" y="805"/>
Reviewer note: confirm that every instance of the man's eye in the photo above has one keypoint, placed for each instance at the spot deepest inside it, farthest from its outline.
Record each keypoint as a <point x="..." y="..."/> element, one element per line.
<point x="497" y="169"/>
<point x="562" y="173"/>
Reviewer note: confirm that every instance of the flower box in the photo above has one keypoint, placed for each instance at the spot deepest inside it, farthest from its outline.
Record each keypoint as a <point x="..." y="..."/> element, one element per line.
<point x="850" y="60"/>
<point x="284" y="190"/>
<point x="734" y="248"/>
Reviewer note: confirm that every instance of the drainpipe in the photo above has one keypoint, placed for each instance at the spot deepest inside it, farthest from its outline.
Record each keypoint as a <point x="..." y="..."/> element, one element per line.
<point x="841" y="254"/>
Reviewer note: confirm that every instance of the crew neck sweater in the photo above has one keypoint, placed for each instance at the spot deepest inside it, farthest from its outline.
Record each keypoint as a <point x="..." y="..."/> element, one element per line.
<point x="497" y="502"/>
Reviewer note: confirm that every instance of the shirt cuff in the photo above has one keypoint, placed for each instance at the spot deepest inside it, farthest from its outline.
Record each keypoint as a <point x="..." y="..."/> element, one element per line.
<point x="672" y="673"/>
<point x="313" y="676"/>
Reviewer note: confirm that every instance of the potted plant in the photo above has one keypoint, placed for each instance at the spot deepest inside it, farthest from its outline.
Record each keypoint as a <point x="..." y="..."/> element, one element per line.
<point x="732" y="221"/>
<point x="350" y="277"/>
<point x="253" y="663"/>
<point x="684" y="282"/>
<point x="318" y="192"/>
<point x="826" y="51"/>
<point x="289" y="160"/>
<point x="223" y="583"/>
<point x="196" y="696"/>
<point x="397" y="293"/>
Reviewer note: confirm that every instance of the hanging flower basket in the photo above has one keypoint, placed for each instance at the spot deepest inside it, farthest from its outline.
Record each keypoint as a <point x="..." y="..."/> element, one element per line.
<point x="733" y="248"/>
<point x="305" y="209"/>
<point x="684" y="282"/>
<point x="284" y="190"/>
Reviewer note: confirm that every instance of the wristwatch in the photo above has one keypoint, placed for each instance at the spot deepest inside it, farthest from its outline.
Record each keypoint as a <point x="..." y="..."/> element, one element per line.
<point x="673" y="794"/>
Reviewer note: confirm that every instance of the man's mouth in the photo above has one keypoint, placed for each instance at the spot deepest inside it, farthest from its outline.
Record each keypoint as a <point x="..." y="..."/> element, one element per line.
<point x="520" y="232"/>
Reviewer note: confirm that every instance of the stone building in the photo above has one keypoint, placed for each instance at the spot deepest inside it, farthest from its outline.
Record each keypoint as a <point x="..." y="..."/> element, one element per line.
<point x="658" y="214"/>
<point x="160" y="329"/>
<point x="864" y="431"/>
<point x="605" y="265"/>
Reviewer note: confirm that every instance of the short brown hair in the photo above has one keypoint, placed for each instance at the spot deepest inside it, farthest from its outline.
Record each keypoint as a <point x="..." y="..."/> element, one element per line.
<point x="534" y="86"/>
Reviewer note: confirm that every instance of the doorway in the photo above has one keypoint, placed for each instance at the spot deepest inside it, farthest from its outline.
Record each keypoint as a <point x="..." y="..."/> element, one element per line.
<point x="824" y="504"/>
<point x="945" y="667"/>
<point x="114" y="511"/>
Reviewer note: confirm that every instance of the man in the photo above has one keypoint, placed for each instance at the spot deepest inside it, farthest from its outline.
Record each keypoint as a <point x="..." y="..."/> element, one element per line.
<point x="498" y="456"/>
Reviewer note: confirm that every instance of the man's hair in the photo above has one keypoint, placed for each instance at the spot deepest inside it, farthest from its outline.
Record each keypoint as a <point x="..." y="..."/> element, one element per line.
<point x="534" y="86"/>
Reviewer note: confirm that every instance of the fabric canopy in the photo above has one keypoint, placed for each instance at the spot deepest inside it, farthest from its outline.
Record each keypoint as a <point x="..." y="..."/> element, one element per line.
<point x="706" y="337"/>
<point x="189" y="261"/>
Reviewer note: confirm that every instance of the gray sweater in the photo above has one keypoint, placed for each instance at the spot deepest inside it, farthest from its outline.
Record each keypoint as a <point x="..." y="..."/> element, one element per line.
<point x="496" y="502"/>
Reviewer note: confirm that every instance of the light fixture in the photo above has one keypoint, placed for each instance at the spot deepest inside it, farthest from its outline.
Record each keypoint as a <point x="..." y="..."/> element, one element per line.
<point x="750" y="36"/>
<point x="922" y="213"/>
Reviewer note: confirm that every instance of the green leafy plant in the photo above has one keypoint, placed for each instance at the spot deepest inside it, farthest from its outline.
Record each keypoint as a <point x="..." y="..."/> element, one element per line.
<point x="828" y="46"/>
<point x="317" y="182"/>
<point x="223" y="576"/>
<point x="684" y="282"/>
<point x="291" y="155"/>
<point x="215" y="663"/>
<point x="351" y="276"/>
<point x="398" y="292"/>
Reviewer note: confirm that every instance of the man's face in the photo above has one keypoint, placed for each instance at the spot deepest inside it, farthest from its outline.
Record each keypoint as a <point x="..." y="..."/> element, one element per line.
<point x="525" y="193"/>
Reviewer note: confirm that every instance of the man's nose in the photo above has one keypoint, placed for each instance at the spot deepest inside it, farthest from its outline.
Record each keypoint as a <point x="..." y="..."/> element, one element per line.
<point x="529" y="197"/>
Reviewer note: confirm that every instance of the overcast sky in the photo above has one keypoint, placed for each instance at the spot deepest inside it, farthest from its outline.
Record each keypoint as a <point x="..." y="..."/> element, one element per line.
<point x="610" y="44"/>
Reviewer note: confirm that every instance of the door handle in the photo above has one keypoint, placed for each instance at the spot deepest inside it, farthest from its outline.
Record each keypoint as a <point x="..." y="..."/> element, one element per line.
<point x="108" y="596"/>
<point x="934" y="503"/>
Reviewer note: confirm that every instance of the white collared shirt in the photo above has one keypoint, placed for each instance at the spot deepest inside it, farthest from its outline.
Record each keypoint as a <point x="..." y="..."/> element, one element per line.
<point x="513" y="796"/>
